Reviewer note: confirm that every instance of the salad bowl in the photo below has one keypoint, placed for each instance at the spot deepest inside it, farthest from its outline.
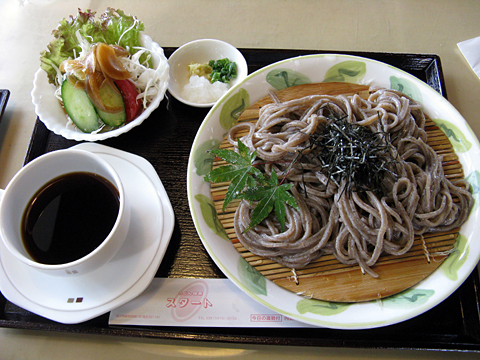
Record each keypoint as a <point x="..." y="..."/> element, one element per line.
<point x="52" y="114"/>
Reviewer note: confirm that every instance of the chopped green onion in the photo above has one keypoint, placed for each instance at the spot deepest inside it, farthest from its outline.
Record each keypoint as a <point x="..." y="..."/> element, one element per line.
<point x="223" y="70"/>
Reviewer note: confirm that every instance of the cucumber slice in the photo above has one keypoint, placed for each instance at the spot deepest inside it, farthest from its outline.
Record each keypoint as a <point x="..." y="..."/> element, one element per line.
<point x="79" y="107"/>
<point x="111" y="97"/>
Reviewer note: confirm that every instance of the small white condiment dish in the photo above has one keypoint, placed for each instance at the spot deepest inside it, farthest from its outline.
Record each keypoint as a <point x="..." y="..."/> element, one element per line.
<point x="201" y="51"/>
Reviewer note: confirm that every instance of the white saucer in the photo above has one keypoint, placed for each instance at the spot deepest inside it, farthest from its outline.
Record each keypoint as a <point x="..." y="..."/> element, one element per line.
<point x="77" y="299"/>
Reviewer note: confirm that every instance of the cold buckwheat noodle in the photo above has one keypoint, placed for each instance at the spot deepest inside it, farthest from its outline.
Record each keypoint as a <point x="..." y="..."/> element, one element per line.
<point x="358" y="226"/>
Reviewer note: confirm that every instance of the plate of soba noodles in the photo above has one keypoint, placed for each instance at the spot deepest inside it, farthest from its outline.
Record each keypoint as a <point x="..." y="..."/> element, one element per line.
<point x="338" y="191"/>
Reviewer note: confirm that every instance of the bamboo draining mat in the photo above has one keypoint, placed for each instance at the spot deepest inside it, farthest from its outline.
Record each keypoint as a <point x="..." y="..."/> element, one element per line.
<point x="326" y="278"/>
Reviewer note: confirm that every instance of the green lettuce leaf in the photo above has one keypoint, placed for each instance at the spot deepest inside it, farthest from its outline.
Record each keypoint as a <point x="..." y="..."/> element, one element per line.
<point x="110" y="29"/>
<point x="121" y="29"/>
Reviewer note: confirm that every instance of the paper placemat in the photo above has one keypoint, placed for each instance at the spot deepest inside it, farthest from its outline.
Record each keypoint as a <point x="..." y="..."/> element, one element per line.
<point x="197" y="302"/>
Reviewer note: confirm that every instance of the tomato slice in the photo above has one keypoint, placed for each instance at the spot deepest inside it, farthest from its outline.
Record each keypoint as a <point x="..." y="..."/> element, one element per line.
<point x="133" y="106"/>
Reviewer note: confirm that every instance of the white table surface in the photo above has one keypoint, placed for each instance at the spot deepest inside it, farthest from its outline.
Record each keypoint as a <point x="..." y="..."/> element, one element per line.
<point x="403" y="26"/>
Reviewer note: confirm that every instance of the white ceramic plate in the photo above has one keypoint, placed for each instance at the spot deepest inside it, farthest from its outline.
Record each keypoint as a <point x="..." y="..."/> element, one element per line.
<point x="80" y="298"/>
<point x="51" y="113"/>
<point x="318" y="68"/>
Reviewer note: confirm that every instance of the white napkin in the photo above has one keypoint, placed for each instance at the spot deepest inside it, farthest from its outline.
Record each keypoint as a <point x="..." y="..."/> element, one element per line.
<point x="471" y="50"/>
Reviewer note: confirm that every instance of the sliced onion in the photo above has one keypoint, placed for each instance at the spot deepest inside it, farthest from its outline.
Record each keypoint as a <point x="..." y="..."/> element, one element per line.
<point x="100" y="67"/>
<point x="91" y="85"/>
<point x="79" y="84"/>
<point x="109" y="62"/>
<point x="120" y="51"/>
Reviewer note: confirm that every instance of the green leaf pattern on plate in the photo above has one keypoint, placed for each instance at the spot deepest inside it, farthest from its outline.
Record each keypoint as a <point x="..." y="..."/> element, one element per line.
<point x="210" y="216"/>
<point x="474" y="180"/>
<point x="283" y="78"/>
<point x="233" y="108"/>
<point x="202" y="158"/>
<point x="406" y="87"/>
<point x="408" y="299"/>
<point x="251" y="278"/>
<point x="456" y="137"/>
<point x="320" y="307"/>
<point x="350" y="71"/>
<point x="456" y="259"/>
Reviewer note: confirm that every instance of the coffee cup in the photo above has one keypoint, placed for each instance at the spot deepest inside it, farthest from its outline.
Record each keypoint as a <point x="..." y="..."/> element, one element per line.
<point x="64" y="213"/>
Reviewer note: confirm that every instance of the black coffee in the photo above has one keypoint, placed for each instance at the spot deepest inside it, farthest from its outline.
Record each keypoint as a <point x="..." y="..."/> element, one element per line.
<point x="69" y="217"/>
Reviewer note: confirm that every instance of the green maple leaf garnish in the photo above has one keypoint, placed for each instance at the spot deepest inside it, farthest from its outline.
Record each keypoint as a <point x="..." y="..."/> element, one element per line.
<point x="247" y="182"/>
<point x="241" y="173"/>
<point x="269" y="196"/>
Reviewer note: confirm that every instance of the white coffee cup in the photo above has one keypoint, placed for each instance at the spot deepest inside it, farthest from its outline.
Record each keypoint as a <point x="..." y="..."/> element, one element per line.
<point x="32" y="177"/>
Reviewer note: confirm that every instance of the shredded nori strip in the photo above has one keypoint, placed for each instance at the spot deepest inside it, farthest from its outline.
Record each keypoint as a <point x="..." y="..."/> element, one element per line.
<point x="353" y="153"/>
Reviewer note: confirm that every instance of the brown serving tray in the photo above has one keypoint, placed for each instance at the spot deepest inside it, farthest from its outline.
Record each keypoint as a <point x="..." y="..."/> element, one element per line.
<point x="165" y="139"/>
